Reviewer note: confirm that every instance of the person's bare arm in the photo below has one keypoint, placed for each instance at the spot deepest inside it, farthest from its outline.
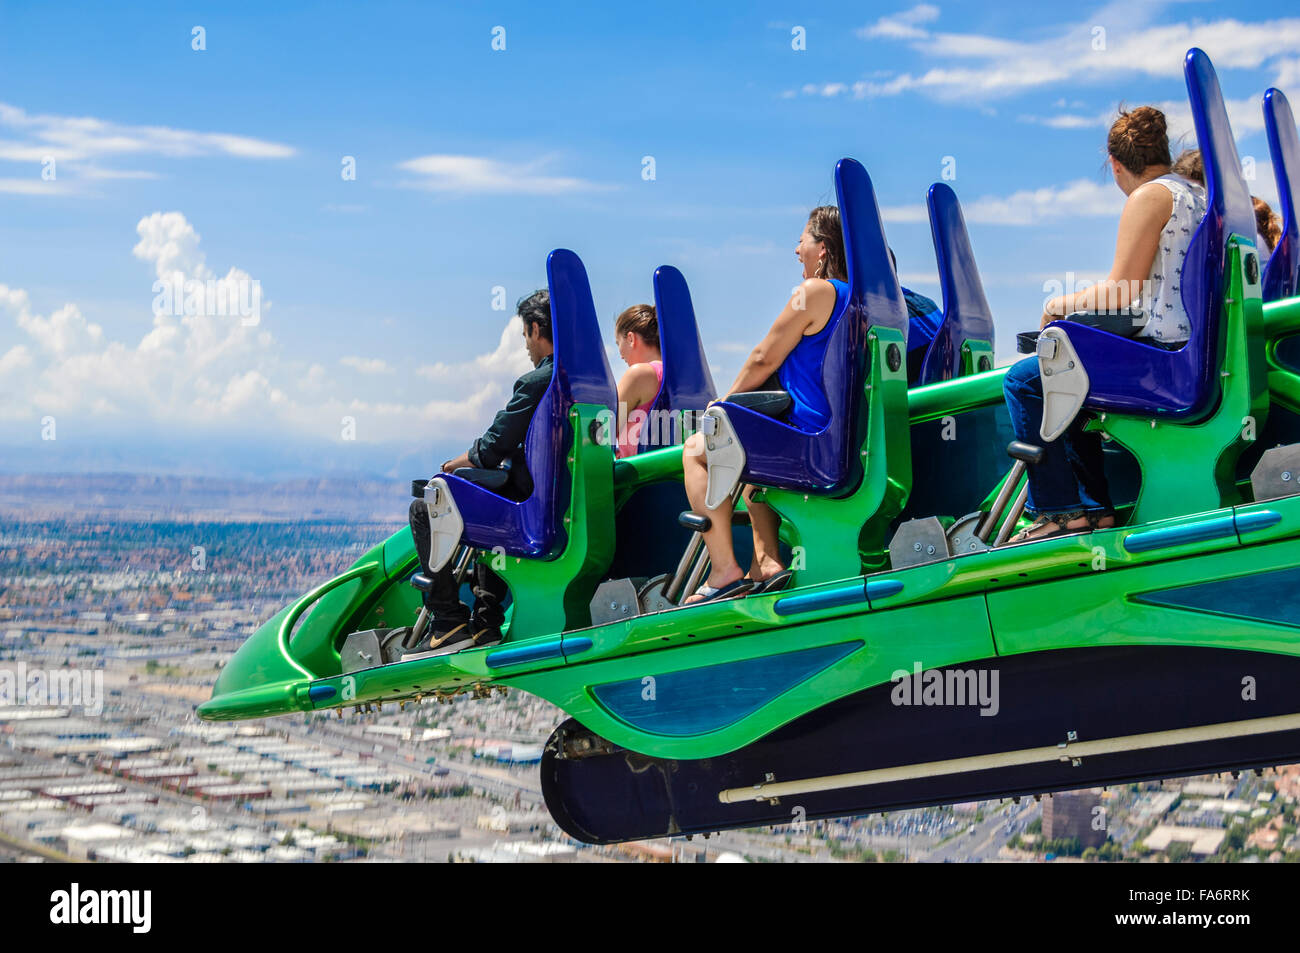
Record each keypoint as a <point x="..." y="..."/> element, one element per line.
<point x="456" y="464"/>
<point x="809" y="308"/>
<point x="1140" y="225"/>
<point x="638" y="385"/>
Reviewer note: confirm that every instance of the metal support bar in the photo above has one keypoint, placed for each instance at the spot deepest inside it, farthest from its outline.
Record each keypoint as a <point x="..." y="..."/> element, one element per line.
<point x="697" y="575"/>
<point x="1065" y="751"/>
<point x="694" y="563"/>
<point x="1013" y="516"/>
<point x="1000" y="501"/>
<point x="417" y="631"/>
<point x="460" y="563"/>
<point x="673" y="590"/>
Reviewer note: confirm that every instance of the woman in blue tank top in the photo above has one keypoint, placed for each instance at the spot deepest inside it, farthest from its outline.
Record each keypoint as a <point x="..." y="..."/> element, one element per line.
<point x="790" y="358"/>
<point x="801" y="372"/>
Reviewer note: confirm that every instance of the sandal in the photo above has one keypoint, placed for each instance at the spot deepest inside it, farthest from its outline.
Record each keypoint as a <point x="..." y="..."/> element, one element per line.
<point x="773" y="583"/>
<point x="1096" y="516"/>
<point x="1059" y="519"/>
<point x="740" y="587"/>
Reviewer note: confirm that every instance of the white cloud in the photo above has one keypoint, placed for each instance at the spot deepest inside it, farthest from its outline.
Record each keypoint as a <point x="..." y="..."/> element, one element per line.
<point x="453" y="173"/>
<point x="904" y="214"/>
<point x="903" y="25"/>
<point x="75" y="143"/>
<point x="978" y="67"/>
<point x="171" y="244"/>
<point x="33" y="186"/>
<point x="1246" y="116"/>
<point x="204" y="372"/>
<point x="94" y="172"/>
<point x="366" y="365"/>
<point x="1288" y="74"/>
<point x="84" y="137"/>
<point x="1081" y="198"/>
<point x="64" y="332"/>
<point x="913" y="278"/>
<point x="507" y="361"/>
<point x="13" y="360"/>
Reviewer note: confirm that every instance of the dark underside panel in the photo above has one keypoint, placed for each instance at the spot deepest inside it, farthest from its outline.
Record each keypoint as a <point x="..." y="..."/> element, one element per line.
<point x="1041" y="697"/>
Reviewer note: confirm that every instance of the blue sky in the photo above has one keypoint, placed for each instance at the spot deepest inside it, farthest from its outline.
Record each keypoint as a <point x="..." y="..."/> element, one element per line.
<point x="472" y="163"/>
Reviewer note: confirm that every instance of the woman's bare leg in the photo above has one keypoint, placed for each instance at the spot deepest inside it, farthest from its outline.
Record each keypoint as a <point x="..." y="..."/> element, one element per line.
<point x="767" y="532"/>
<point x="722" y="557"/>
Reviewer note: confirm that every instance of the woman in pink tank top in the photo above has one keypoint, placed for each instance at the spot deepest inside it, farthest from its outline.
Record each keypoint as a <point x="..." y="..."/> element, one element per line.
<point x="637" y="329"/>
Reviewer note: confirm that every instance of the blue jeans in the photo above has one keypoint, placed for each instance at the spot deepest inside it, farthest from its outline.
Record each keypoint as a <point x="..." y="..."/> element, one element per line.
<point x="1071" y="476"/>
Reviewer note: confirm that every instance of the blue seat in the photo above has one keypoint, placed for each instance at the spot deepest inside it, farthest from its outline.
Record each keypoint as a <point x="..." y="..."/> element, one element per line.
<point x="966" y="313"/>
<point x="687" y="385"/>
<point x="1131" y="377"/>
<point x="1282" y="273"/>
<point x="828" y="462"/>
<point x="581" y="375"/>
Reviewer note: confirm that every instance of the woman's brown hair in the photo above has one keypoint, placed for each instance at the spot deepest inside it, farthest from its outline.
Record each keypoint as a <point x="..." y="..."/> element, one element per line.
<point x="1189" y="166"/>
<point x="1139" y="138"/>
<point x="640" y="319"/>
<point x="824" y="227"/>
<point x="1268" y="224"/>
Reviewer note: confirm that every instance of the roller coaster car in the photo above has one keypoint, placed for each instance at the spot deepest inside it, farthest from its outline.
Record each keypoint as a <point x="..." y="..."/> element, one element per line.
<point x="908" y="664"/>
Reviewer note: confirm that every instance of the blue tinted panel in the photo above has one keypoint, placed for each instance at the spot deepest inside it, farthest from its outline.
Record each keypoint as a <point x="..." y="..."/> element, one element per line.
<point x="700" y="700"/>
<point x="1264" y="596"/>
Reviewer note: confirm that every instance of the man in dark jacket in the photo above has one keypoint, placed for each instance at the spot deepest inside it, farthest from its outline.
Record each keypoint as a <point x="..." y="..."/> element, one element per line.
<point x="451" y="625"/>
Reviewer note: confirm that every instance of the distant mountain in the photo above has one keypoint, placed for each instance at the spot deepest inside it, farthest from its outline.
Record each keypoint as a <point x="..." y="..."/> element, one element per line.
<point x="219" y="456"/>
<point x="130" y="496"/>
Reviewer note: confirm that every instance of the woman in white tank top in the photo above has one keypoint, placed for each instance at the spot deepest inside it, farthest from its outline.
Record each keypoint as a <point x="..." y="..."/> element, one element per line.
<point x="1067" y="490"/>
<point x="1162" y="296"/>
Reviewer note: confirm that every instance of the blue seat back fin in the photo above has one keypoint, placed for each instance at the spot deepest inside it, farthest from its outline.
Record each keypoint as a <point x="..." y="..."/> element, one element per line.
<point x="687" y="384"/>
<point x="874" y="293"/>
<point x="1282" y="273"/>
<point x="1229" y="211"/>
<point x="966" y="312"/>
<point x="581" y="367"/>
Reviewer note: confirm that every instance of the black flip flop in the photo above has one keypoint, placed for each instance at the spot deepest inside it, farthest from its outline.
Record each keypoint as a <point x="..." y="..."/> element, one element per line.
<point x="740" y="587"/>
<point x="774" y="583"/>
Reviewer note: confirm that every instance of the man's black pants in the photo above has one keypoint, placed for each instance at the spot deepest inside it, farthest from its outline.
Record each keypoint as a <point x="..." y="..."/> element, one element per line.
<point x="443" y="599"/>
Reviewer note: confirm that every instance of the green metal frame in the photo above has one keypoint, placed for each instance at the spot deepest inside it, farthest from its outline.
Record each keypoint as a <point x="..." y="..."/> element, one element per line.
<point x="973" y="351"/>
<point x="548" y="596"/>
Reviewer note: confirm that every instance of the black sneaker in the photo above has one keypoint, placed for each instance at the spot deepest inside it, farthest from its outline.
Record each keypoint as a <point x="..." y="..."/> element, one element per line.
<point x="488" y="636"/>
<point x="441" y="643"/>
